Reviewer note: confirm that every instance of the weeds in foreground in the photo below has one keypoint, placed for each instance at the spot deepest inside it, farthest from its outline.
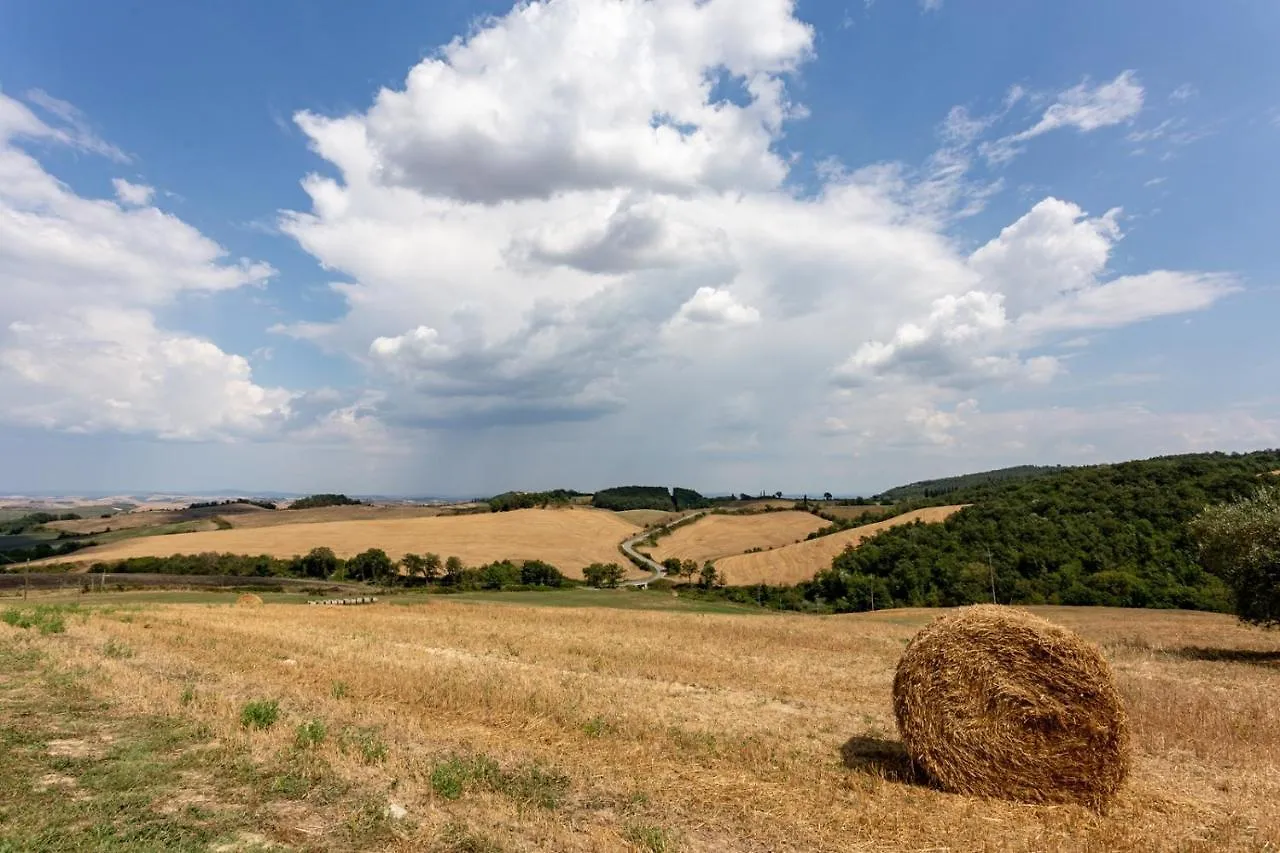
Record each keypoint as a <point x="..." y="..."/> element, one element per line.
<point x="116" y="649"/>
<point x="527" y="784"/>
<point x="260" y="714"/>
<point x="310" y="734"/>
<point x="47" y="619"/>
<point x="458" y="838"/>
<point x="365" y="743"/>
<point x="651" y="838"/>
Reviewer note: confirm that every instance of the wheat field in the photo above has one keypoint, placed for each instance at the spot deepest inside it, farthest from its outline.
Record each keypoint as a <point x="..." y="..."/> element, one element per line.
<point x="679" y="731"/>
<point x="801" y="561"/>
<point x="567" y="538"/>
<point x="714" y="536"/>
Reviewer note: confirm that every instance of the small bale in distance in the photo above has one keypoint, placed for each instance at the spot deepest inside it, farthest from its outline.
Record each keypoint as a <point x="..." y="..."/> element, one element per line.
<point x="248" y="599"/>
<point x="993" y="701"/>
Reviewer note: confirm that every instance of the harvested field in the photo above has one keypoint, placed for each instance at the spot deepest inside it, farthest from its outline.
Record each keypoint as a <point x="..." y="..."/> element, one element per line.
<point x="800" y="562"/>
<point x="506" y="727"/>
<point x="648" y="517"/>
<point x="567" y="538"/>
<point x="346" y="513"/>
<point x="714" y="536"/>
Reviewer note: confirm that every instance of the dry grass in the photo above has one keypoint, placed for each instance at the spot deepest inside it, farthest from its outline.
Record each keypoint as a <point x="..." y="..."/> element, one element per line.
<point x="800" y="562"/>
<point x="997" y="702"/>
<point x="724" y="733"/>
<point x="648" y="517"/>
<point x="340" y="513"/>
<point x="567" y="538"/>
<point x="714" y="536"/>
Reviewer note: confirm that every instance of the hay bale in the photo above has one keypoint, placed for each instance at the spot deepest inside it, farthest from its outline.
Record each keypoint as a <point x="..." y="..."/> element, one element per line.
<point x="996" y="702"/>
<point x="248" y="599"/>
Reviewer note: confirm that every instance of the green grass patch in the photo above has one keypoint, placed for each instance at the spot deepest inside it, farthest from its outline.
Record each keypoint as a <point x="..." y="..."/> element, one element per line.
<point x="365" y="743"/>
<point x="45" y="618"/>
<point x="651" y="838"/>
<point x="259" y="714"/>
<point x="527" y="784"/>
<point x="310" y="734"/>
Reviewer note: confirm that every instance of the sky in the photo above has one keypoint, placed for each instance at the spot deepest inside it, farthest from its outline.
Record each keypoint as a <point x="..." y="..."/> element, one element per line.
<point x="454" y="248"/>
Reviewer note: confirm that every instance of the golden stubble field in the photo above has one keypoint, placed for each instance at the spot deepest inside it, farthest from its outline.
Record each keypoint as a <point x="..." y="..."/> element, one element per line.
<point x="710" y="732"/>
<point x="567" y="538"/>
<point x="801" y="561"/>
<point x="714" y="536"/>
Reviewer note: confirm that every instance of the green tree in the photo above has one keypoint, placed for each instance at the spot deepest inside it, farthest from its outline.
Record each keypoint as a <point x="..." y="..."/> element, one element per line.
<point x="826" y="496"/>
<point x="708" y="577"/>
<point x="320" y="563"/>
<point x="604" y="575"/>
<point x="673" y="566"/>
<point x="453" y="571"/>
<point x="1240" y="543"/>
<point x="371" y="565"/>
<point x="538" y="573"/>
<point x="688" y="568"/>
<point x="414" y="565"/>
<point x="431" y="566"/>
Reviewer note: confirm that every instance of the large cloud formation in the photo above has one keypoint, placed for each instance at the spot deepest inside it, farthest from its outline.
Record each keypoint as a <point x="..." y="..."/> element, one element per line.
<point x="80" y="280"/>
<point x="589" y="212"/>
<point x="585" y="204"/>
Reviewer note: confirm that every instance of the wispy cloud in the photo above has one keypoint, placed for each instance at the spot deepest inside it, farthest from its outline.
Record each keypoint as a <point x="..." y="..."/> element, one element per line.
<point x="75" y="128"/>
<point x="1084" y="107"/>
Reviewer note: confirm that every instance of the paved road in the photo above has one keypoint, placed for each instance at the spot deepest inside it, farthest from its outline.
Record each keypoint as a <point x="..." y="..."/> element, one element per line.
<point x="628" y="548"/>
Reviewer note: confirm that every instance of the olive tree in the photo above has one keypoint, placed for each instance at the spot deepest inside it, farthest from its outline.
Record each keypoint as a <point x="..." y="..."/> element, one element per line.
<point x="1240" y="543"/>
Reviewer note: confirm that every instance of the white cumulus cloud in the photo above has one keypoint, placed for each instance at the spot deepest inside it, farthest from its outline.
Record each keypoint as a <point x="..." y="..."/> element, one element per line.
<point x="80" y="279"/>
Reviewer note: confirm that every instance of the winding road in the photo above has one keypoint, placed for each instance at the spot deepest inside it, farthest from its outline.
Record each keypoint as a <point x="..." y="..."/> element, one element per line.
<point x="628" y="548"/>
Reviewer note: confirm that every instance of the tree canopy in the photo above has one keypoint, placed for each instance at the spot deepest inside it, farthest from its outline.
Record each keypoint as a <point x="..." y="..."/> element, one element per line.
<point x="1240" y="542"/>
<point x="1102" y="534"/>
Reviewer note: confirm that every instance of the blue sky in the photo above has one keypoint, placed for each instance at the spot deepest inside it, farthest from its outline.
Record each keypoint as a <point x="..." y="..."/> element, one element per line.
<point x="746" y="244"/>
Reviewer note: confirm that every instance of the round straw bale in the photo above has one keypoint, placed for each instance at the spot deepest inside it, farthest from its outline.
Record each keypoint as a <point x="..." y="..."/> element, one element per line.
<point x="996" y="702"/>
<point x="248" y="599"/>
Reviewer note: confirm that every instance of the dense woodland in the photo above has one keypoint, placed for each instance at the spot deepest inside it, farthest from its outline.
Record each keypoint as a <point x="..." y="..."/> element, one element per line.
<point x="1105" y="534"/>
<point x="527" y="500"/>
<point x="926" y="489"/>
<point x="327" y="499"/>
<point x="648" y="497"/>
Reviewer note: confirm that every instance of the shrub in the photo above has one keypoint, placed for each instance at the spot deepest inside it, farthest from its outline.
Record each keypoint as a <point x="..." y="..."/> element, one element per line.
<point x="310" y="734"/>
<point x="260" y="714"/>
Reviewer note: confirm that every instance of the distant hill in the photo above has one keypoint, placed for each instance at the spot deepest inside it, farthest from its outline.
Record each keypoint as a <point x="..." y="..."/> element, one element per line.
<point x="948" y="485"/>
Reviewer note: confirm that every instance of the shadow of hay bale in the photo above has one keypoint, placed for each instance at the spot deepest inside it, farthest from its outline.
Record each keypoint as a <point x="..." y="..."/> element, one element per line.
<point x="1256" y="657"/>
<point x="887" y="759"/>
